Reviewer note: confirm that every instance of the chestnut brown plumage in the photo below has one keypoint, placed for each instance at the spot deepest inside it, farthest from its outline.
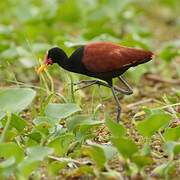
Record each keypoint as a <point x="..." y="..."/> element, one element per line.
<point x="102" y="60"/>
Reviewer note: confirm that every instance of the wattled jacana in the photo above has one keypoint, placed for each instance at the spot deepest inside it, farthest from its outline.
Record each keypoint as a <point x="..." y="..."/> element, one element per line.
<point x="102" y="60"/>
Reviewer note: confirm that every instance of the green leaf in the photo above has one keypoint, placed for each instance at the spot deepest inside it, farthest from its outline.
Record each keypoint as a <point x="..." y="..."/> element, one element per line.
<point x="55" y="167"/>
<point x="36" y="136"/>
<point x="57" y="112"/>
<point x="109" y="151"/>
<point x="43" y="129"/>
<point x="18" y="123"/>
<point x="61" y="144"/>
<point x="15" y="100"/>
<point x="40" y="119"/>
<point x="80" y="120"/>
<point x="96" y="153"/>
<point x="172" y="148"/>
<point x="177" y="149"/>
<point x="83" y="170"/>
<point x="7" y="167"/>
<point x="35" y="154"/>
<point x="172" y="134"/>
<point x="27" y="166"/>
<point x="8" y="150"/>
<point x="164" y="169"/>
<point x="9" y="162"/>
<point x="146" y="149"/>
<point x="38" y="153"/>
<point x="169" y="53"/>
<point x="125" y="146"/>
<point x="169" y="147"/>
<point x="141" y="160"/>
<point x="152" y="124"/>
<point x="116" y="129"/>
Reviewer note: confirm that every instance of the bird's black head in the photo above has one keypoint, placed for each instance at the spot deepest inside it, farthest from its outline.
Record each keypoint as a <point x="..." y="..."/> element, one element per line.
<point x="55" y="55"/>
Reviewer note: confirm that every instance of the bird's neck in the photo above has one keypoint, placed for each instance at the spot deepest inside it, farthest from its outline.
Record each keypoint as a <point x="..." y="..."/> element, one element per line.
<point x="73" y="63"/>
<point x="65" y="63"/>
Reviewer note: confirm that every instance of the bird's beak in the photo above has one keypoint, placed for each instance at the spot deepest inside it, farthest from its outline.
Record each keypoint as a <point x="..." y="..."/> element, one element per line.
<point x="47" y="61"/>
<point x="41" y="68"/>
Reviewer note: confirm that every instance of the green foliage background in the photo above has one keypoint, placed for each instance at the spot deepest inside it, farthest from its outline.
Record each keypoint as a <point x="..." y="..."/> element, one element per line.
<point x="29" y="28"/>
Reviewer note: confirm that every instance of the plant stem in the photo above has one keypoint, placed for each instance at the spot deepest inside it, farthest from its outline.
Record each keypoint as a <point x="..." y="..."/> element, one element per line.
<point x="45" y="83"/>
<point x="167" y="106"/>
<point x="170" y="107"/>
<point x="51" y="81"/>
<point x="161" y="136"/>
<point x="6" y="127"/>
<point x="72" y="89"/>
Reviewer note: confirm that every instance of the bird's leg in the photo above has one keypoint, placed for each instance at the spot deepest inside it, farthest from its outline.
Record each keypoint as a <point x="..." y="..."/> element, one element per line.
<point x="84" y="82"/>
<point x="118" y="104"/>
<point x="109" y="85"/>
<point x="127" y="91"/>
<point x="89" y="83"/>
<point x="113" y="89"/>
<point x="100" y="83"/>
<point x="92" y="82"/>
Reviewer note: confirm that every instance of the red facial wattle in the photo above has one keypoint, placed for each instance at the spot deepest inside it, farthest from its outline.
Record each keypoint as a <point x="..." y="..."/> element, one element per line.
<point x="47" y="60"/>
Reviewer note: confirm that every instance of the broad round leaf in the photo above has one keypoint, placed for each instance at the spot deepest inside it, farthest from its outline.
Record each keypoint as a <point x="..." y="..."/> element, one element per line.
<point x="141" y="160"/>
<point x="125" y="146"/>
<point x="80" y="120"/>
<point x="96" y="153"/>
<point x="61" y="144"/>
<point x="39" y="152"/>
<point x="57" y="112"/>
<point x="172" y="134"/>
<point x="8" y="150"/>
<point x="35" y="154"/>
<point x="152" y="124"/>
<point x="116" y="129"/>
<point x="7" y="167"/>
<point x="15" y="99"/>
<point x="100" y="153"/>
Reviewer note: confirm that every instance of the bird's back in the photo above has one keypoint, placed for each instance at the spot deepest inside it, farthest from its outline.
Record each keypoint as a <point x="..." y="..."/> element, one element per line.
<point x="105" y="57"/>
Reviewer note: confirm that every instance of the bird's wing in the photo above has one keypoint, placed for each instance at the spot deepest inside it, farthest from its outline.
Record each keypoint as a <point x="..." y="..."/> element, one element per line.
<point x="106" y="57"/>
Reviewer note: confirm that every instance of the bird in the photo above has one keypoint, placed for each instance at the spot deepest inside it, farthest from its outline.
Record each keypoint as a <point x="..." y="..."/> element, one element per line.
<point x="101" y="60"/>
